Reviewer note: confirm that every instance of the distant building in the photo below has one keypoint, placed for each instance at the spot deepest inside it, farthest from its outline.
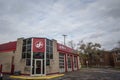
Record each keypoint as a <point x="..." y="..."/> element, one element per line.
<point x="106" y="59"/>
<point x="37" y="56"/>
<point x="103" y="59"/>
<point x="116" y="58"/>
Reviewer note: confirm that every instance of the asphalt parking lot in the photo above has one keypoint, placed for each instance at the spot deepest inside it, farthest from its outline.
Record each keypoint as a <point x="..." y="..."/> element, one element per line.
<point x="92" y="74"/>
<point x="87" y="74"/>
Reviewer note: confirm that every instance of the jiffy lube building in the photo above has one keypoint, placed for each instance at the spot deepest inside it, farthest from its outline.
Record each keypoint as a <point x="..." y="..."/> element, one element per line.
<point x="37" y="56"/>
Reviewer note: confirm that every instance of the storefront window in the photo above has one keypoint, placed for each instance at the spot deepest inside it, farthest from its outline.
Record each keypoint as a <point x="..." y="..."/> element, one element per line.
<point x="38" y="55"/>
<point x="24" y="42"/>
<point x="51" y="55"/>
<point x="51" y="44"/>
<point x="26" y="49"/>
<point x="49" y="51"/>
<point x="48" y="62"/>
<point x="28" y="62"/>
<point x="23" y="54"/>
<point x="47" y="55"/>
<point x="29" y="41"/>
<point x="47" y="41"/>
<point x="28" y="55"/>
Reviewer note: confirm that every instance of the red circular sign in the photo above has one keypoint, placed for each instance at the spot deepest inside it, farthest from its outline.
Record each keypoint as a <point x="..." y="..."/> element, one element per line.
<point x="39" y="44"/>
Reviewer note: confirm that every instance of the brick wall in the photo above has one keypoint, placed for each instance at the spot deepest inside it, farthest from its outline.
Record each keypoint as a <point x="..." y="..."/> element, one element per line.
<point x="6" y="60"/>
<point x="20" y="64"/>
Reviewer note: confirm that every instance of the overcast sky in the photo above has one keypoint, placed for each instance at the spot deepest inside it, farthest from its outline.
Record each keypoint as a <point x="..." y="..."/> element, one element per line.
<point x="88" y="20"/>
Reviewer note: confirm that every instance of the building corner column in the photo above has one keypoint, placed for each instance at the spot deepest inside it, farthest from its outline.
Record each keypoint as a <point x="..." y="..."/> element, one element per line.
<point x="65" y="62"/>
<point x="72" y="63"/>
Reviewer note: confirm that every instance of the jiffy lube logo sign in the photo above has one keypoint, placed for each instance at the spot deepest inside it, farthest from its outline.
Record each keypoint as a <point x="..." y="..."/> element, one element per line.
<point x="64" y="48"/>
<point x="38" y="45"/>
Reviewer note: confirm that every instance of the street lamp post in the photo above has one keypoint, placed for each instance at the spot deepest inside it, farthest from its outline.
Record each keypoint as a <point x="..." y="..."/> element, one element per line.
<point x="64" y="38"/>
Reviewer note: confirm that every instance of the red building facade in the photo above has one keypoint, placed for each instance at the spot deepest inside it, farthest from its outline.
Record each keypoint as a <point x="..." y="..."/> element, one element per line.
<point x="37" y="56"/>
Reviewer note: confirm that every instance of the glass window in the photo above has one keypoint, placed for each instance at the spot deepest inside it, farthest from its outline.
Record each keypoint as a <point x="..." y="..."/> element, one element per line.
<point x="29" y="41"/>
<point x="51" y="43"/>
<point x="47" y="62"/>
<point x="28" y="62"/>
<point x="24" y="42"/>
<point x="24" y="49"/>
<point x="47" y="55"/>
<point x="47" y="41"/>
<point x="28" y="48"/>
<point x="49" y="49"/>
<point x="28" y="55"/>
<point x="38" y="55"/>
<point x="51" y="56"/>
<point x="23" y="55"/>
<point x="42" y="55"/>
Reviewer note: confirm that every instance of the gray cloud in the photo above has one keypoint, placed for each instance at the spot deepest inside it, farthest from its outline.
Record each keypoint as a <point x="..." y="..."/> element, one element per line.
<point x="97" y="35"/>
<point x="113" y="9"/>
<point x="89" y="20"/>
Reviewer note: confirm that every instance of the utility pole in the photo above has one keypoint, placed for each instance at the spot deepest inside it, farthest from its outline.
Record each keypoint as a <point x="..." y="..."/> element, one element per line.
<point x="64" y="38"/>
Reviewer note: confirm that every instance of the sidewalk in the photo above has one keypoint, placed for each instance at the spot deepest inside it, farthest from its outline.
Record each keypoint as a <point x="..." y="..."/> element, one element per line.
<point x="37" y="77"/>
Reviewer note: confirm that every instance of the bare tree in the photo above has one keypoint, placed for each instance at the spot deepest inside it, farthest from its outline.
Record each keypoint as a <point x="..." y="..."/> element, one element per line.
<point x="72" y="44"/>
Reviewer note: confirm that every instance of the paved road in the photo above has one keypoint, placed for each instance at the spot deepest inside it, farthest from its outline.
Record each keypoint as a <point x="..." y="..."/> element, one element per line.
<point x="92" y="74"/>
<point x="88" y="74"/>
